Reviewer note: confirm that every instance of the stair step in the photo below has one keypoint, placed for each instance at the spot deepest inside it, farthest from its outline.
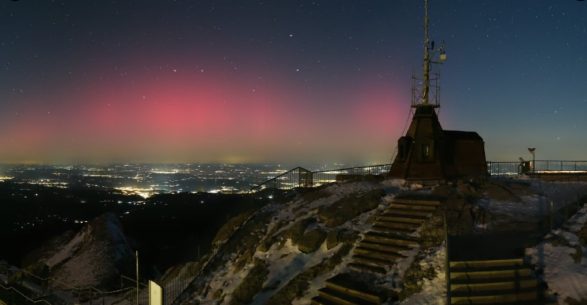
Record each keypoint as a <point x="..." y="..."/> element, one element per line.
<point x="390" y="239"/>
<point x="364" y="267"/>
<point x="496" y="299"/>
<point x="341" y="298"/>
<point x="382" y="247"/>
<point x="464" y="281"/>
<point x="463" y="294"/>
<point x="495" y="286"/>
<point x="487" y="263"/>
<point x="390" y="256"/>
<point x="427" y="208"/>
<point x="411" y="220"/>
<point x="387" y="230"/>
<point x="406" y="213"/>
<point x="375" y="261"/>
<point x="405" y="227"/>
<point x="416" y="201"/>
<point x="349" y="288"/>
<point x="318" y="300"/>
<point x="488" y="275"/>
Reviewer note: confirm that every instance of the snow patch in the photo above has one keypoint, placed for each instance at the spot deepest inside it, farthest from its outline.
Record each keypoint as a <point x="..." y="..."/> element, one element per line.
<point x="285" y="264"/>
<point x="433" y="290"/>
<point x="564" y="275"/>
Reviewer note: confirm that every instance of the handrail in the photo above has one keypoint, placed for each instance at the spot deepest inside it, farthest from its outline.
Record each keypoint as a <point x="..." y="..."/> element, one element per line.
<point x="79" y="288"/>
<point x="493" y="168"/>
<point x="7" y="288"/>
<point x="311" y="174"/>
<point x="447" y="258"/>
<point x="500" y="168"/>
<point x="350" y="168"/>
<point x="258" y="186"/>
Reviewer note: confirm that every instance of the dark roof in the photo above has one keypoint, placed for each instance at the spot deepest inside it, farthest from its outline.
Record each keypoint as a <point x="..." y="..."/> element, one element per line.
<point x="462" y="135"/>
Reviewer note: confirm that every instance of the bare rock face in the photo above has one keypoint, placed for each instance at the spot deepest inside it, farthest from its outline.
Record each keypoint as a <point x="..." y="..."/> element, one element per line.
<point x="312" y="240"/>
<point x="94" y="256"/>
<point x="349" y="207"/>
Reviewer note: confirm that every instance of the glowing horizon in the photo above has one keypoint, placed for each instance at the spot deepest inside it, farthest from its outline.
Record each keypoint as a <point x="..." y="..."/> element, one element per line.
<point x="202" y="116"/>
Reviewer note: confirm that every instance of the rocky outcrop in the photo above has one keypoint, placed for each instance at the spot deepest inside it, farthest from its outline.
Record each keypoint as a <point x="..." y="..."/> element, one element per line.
<point x="94" y="256"/>
<point x="274" y="255"/>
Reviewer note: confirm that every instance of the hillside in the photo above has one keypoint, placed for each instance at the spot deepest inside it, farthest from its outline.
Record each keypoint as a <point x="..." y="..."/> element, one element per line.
<point x="94" y="256"/>
<point x="284" y="252"/>
<point x="368" y="242"/>
<point x="292" y="252"/>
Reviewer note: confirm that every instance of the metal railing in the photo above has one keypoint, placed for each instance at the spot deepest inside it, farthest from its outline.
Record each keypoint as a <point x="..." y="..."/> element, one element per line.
<point x="24" y="295"/>
<point x="293" y="178"/>
<point x="301" y="177"/>
<point x="513" y="168"/>
<point x="504" y="168"/>
<point x="90" y="293"/>
<point x="560" y="166"/>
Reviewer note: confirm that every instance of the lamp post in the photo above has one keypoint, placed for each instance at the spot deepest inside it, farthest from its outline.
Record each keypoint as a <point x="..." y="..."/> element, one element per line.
<point x="532" y="151"/>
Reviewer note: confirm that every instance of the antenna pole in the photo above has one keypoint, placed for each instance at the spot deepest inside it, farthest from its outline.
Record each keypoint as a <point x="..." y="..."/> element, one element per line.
<point x="426" y="85"/>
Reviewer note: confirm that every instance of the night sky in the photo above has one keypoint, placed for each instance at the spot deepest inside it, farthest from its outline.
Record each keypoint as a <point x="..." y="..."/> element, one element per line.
<point x="284" y="81"/>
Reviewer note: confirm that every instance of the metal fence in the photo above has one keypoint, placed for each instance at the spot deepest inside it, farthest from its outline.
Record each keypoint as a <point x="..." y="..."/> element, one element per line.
<point x="512" y="168"/>
<point x="35" y="289"/>
<point x="301" y="177"/>
<point x="560" y="166"/>
<point x="293" y="178"/>
<point x="501" y="168"/>
<point x="329" y="176"/>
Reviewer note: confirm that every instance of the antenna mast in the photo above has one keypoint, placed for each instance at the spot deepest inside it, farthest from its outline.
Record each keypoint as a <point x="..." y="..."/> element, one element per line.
<point x="431" y="56"/>
<point x="426" y="85"/>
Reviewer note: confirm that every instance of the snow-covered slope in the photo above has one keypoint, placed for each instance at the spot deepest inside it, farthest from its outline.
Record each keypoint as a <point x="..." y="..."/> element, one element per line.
<point x="92" y="257"/>
<point x="291" y="247"/>
<point x="285" y="252"/>
<point x="563" y="257"/>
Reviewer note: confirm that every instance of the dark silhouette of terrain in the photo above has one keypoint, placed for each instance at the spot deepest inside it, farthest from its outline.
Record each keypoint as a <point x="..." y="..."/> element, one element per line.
<point x="166" y="229"/>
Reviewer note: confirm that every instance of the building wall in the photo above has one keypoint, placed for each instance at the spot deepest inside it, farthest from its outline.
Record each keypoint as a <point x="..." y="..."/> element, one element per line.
<point x="469" y="158"/>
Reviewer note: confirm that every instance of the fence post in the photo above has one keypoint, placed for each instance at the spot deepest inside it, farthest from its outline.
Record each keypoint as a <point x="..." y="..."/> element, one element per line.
<point x="447" y="259"/>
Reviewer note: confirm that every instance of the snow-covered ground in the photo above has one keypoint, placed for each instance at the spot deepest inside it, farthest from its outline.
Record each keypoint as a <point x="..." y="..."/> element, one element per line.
<point x="563" y="257"/>
<point x="433" y="290"/>
<point x="539" y="199"/>
<point x="284" y="260"/>
<point x="288" y="262"/>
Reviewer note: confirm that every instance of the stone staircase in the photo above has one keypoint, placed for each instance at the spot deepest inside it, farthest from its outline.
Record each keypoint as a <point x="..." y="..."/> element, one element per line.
<point x="497" y="281"/>
<point x="344" y="289"/>
<point x="392" y="234"/>
<point x="377" y="252"/>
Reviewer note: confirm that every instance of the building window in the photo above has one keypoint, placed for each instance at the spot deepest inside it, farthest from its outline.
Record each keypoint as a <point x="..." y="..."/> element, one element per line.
<point x="426" y="154"/>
